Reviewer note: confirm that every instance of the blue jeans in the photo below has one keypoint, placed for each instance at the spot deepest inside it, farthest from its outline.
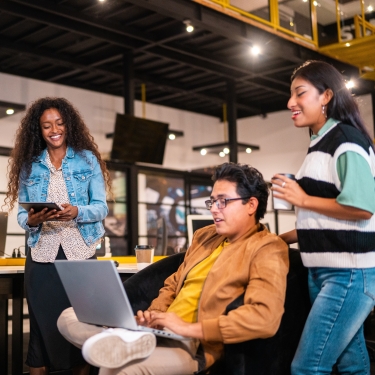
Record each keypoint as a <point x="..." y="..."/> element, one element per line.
<point x="333" y="333"/>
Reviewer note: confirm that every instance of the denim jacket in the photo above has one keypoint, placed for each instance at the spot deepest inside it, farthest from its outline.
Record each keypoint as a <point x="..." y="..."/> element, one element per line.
<point x="86" y="190"/>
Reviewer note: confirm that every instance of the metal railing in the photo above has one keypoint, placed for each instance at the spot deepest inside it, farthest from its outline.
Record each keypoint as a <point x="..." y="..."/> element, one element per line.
<point x="282" y="17"/>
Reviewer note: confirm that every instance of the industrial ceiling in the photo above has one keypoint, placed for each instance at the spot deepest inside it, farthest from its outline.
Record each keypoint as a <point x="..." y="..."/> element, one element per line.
<point x="82" y="43"/>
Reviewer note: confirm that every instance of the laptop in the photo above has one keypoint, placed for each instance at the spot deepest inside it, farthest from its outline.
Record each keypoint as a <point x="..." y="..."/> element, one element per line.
<point x="97" y="295"/>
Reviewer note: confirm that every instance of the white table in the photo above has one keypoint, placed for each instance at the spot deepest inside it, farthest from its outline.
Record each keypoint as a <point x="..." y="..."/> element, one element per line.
<point x="122" y="268"/>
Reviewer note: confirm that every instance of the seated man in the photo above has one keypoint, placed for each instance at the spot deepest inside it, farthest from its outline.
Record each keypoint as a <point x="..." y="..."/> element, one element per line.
<point x="234" y="255"/>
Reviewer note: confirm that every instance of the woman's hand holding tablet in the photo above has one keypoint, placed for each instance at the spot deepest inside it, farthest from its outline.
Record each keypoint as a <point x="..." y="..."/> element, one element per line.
<point x="39" y="206"/>
<point x="39" y="212"/>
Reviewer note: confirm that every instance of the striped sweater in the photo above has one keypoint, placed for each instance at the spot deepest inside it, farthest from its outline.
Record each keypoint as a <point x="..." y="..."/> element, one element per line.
<point x="325" y="241"/>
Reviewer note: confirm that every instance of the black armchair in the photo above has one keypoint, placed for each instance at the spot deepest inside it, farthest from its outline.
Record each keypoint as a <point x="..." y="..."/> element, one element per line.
<point x="271" y="356"/>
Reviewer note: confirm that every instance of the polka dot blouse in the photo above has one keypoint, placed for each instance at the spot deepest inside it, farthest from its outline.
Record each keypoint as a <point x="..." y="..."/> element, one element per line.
<point x="55" y="233"/>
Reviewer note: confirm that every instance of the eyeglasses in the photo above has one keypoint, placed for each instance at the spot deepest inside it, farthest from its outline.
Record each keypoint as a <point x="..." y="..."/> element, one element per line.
<point x="221" y="202"/>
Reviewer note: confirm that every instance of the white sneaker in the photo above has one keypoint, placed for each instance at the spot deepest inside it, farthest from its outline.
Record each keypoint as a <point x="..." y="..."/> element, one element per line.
<point x="115" y="347"/>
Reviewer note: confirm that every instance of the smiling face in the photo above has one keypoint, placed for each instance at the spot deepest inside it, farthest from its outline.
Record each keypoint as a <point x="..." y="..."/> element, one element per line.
<point x="306" y="105"/>
<point x="53" y="129"/>
<point x="236" y="218"/>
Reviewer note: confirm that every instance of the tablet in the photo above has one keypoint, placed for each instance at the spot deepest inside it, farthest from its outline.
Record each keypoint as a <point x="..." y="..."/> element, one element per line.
<point x="38" y="206"/>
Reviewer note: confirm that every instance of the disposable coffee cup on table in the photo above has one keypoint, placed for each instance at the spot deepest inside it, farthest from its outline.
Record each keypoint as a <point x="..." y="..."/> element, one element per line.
<point x="278" y="203"/>
<point x="144" y="255"/>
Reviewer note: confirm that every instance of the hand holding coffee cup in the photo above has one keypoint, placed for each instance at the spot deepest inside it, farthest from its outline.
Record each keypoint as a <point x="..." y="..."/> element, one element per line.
<point x="279" y="203"/>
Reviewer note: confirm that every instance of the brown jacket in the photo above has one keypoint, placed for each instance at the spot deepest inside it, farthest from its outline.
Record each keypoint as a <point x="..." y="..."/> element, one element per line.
<point x="256" y="264"/>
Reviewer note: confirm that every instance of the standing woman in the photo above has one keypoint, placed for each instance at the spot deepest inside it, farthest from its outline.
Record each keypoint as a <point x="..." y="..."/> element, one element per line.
<point x="334" y="196"/>
<point x="55" y="159"/>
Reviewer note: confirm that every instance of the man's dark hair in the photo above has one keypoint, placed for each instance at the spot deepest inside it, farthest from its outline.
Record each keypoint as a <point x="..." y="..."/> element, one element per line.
<point x="249" y="181"/>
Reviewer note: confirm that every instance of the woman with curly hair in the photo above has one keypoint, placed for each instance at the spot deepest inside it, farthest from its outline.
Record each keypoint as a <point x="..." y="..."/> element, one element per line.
<point x="55" y="159"/>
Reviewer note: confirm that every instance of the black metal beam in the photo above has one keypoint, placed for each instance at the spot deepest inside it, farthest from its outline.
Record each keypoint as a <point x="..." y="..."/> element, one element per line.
<point x="204" y="17"/>
<point x="136" y="40"/>
<point x="129" y="93"/>
<point x="79" y="25"/>
<point x="78" y="65"/>
<point x="232" y="121"/>
<point x="125" y="37"/>
<point x="224" y="25"/>
<point x="177" y="57"/>
<point x="132" y="208"/>
<point x="186" y="90"/>
<point x="55" y="58"/>
<point x="237" y="30"/>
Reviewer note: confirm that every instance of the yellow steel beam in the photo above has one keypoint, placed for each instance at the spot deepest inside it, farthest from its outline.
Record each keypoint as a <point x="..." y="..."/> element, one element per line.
<point x="314" y="22"/>
<point x="274" y="13"/>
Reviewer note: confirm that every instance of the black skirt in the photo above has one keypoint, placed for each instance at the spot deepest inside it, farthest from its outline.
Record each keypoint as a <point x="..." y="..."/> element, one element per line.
<point x="46" y="299"/>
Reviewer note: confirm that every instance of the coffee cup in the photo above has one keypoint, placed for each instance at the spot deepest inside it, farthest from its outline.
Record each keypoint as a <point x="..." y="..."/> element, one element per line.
<point x="144" y="255"/>
<point x="282" y="204"/>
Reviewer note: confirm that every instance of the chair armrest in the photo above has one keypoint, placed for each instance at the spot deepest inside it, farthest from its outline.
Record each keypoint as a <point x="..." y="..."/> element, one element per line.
<point x="239" y="301"/>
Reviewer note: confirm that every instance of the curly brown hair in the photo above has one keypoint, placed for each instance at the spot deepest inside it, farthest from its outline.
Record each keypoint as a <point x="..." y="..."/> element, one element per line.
<point x="29" y="142"/>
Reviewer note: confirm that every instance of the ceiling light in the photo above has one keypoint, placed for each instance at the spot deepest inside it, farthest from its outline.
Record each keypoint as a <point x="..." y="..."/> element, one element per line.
<point x="102" y="1"/>
<point x="347" y="44"/>
<point x="226" y="150"/>
<point x="8" y="109"/>
<point x="349" y="84"/>
<point x="316" y="4"/>
<point x="255" y="50"/>
<point x="305" y="1"/>
<point x="173" y="134"/>
<point x="370" y="8"/>
<point x="189" y="26"/>
<point x="218" y="148"/>
<point x="221" y="154"/>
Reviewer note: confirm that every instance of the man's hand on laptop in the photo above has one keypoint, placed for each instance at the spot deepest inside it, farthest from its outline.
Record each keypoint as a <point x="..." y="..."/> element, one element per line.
<point x="143" y="318"/>
<point x="171" y="321"/>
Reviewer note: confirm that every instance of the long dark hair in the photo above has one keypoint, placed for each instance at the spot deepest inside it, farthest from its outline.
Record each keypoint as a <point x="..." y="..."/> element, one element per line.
<point x="342" y="106"/>
<point x="29" y="142"/>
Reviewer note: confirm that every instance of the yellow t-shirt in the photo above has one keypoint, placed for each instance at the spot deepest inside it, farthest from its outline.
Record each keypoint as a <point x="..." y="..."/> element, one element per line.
<point x="186" y="303"/>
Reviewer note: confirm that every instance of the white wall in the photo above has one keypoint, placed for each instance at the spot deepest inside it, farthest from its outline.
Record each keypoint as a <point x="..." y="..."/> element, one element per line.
<point x="282" y="147"/>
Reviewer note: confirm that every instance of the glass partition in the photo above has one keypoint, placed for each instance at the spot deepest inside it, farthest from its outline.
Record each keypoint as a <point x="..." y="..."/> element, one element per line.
<point x="198" y="194"/>
<point x="259" y="8"/>
<point x="295" y="16"/>
<point x="350" y="21"/>
<point x="292" y="17"/>
<point x="161" y="196"/>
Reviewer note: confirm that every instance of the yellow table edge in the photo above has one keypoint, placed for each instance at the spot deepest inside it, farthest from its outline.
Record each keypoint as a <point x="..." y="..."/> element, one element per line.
<point x="124" y="259"/>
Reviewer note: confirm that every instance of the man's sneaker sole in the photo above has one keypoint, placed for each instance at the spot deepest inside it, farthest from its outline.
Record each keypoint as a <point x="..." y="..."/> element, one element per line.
<point x="113" y="352"/>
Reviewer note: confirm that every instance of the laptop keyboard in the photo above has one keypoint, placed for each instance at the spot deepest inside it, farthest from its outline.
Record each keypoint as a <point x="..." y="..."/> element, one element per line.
<point x="161" y="332"/>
